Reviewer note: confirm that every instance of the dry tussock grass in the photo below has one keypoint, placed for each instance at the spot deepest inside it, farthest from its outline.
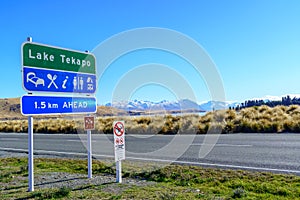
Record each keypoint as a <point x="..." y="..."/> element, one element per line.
<point x="255" y="119"/>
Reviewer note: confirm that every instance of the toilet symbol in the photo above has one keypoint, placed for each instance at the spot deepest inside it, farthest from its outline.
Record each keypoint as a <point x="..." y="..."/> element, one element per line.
<point x="75" y="83"/>
<point x="81" y="83"/>
<point x="78" y="83"/>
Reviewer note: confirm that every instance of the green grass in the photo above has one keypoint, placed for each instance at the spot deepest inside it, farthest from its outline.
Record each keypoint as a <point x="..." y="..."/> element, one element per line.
<point x="51" y="194"/>
<point x="170" y="182"/>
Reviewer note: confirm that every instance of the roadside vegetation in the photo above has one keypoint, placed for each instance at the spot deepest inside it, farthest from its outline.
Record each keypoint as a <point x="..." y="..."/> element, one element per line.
<point x="169" y="182"/>
<point x="257" y="119"/>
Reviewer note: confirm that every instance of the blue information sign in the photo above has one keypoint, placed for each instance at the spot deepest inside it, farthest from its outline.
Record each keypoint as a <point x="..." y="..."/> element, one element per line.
<point x="47" y="80"/>
<point x="40" y="105"/>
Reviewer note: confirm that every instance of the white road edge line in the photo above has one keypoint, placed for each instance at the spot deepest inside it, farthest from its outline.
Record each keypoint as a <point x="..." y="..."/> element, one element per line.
<point x="77" y="140"/>
<point x="163" y="160"/>
<point x="224" y="145"/>
<point x="8" y="139"/>
<point x="81" y="141"/>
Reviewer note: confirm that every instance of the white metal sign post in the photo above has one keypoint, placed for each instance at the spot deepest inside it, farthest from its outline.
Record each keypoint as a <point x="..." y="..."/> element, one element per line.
<point x="30" y="155"/>
<point x="119" y="144"/>
<point x="89" y="125"/>
<point x="30" y="148"/>
<point x="89" y="141"/>
<point x="60" y="71"/>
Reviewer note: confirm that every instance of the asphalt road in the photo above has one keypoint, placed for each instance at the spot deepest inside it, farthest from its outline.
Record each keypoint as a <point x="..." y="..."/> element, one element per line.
<point x="279" y="153"/>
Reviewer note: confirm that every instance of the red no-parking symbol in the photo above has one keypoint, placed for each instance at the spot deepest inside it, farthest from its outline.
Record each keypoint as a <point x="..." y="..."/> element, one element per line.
<point x="119" y="140"/>
<point x="119" y="129"/>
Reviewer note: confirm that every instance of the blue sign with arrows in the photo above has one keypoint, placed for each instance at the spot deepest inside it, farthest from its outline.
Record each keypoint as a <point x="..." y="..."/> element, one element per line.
<point x="42" y="105"/>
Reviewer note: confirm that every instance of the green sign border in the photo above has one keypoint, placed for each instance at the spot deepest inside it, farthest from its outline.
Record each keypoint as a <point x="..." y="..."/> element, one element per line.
<point x="57" y="63"/>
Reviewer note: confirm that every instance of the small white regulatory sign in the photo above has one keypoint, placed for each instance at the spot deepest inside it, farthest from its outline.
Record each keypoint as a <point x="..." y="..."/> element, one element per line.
<point x="119" y="140"/>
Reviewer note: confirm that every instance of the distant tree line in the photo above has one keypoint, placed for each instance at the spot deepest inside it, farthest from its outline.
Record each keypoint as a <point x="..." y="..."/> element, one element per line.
<point x="285" y="101"/>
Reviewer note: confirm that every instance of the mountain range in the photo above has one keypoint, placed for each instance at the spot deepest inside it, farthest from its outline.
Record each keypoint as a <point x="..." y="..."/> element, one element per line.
<point x="10" y="107"/>
<point x="180" y="105"/>
<point x="185" y="104"/>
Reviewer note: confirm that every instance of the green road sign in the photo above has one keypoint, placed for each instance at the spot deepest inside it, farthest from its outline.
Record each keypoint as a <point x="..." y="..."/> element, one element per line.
<point x="48" y="57"/>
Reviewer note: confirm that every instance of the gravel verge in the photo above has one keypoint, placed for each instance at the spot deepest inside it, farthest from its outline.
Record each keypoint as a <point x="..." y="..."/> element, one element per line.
<point x="75" y="181"/>
<point x="71" y="180"/>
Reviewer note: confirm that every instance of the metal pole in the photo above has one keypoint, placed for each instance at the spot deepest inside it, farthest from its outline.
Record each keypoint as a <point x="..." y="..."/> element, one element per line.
<point x="30" y="148"/>
<point x="30" y="155"/>
<point x="89" y="143"/>
<point x="119" y="171"/>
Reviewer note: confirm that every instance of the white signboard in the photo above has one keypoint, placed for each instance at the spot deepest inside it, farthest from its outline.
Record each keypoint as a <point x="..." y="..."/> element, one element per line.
<point x="119" y="140"/>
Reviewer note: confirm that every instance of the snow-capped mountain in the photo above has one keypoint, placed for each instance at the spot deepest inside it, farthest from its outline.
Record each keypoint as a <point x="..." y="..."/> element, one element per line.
<point x="218" y="105"/>
<point x="186" y="104"/>
<point x="139" y="105"/>
<point x="181" y="105"/>
<point x="276" y="98"/>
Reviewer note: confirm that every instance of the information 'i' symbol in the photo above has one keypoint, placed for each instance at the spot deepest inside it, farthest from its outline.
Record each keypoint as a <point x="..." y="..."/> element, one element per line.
<point x="64" y="83"/>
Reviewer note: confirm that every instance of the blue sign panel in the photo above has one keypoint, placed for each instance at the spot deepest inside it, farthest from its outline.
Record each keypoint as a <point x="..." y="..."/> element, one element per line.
<point x="40" y="105"/>
<point x="45" y="80"/>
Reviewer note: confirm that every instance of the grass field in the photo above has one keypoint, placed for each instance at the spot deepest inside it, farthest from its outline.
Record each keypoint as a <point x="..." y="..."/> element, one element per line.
<point x="169" y="182"/>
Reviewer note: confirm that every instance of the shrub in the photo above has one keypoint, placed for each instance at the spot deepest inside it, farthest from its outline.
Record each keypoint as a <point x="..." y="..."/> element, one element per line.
<point x="253" y="119"/>
<point x="238" y="193"/>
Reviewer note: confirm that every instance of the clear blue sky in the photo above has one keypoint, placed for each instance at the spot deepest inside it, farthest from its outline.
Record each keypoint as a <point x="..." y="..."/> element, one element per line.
<point x="254" y="44"/>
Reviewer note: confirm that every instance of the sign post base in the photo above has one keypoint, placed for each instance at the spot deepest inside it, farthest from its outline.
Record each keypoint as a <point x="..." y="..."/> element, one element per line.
<point x="119" y="171"/>
<point x="30" y="155"/>
<point x="89" y="144"/>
